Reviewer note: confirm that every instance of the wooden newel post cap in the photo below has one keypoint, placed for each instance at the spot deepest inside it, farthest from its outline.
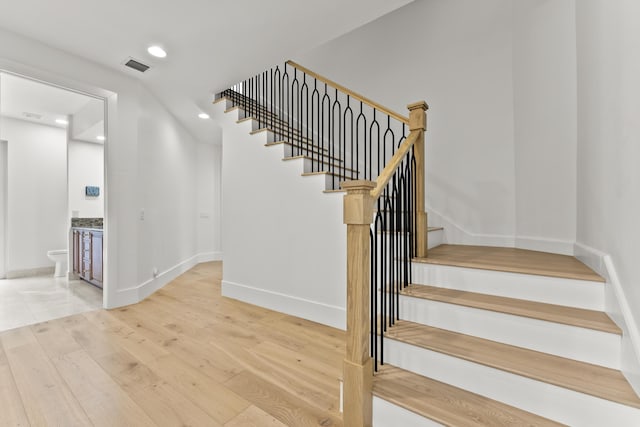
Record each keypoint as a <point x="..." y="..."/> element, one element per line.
<point x="358" y="202"/>
<point x="418" y="116"/>
<point x="418" y="105"/>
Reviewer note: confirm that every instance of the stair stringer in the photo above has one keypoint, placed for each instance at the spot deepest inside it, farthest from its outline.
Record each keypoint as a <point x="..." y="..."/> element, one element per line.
<point x="280" y="231"/>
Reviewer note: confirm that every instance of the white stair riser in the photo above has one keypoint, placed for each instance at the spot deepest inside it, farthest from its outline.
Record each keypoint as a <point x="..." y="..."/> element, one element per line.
<point x="552" y="290"/>
<point x="386" y="414"/>
<point x="547" y="400"/>
<point x="585" y="345"/>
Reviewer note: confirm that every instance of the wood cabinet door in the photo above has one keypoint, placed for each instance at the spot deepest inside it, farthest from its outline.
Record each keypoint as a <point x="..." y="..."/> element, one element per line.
<point x="76" y="252"/>
<point x="96" y="257"/>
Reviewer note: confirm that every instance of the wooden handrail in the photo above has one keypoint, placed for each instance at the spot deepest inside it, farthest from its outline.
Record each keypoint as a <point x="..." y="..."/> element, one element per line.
<point x="351" y="93"/>
<point x="388" y="171"/>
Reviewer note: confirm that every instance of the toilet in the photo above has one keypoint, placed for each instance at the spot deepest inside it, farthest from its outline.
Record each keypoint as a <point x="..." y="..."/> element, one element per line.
<point x="59" y="256"/>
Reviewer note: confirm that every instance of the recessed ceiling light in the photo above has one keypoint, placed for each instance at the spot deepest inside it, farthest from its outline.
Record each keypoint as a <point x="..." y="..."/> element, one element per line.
<point x="62" y="122"/>
<point x="100" y="138"/>
<point x="157" y="51"/>
<point x="203" y="115"/>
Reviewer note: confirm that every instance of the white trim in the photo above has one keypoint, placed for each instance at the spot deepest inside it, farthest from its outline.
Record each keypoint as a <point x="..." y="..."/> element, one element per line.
<point x="593" y="258"/>
<point x="326" y="314"/>
<point x="454" y="233"/>
<point x="617" y="307"/>
<point x="209" y="256"/>
<point x="30" y="272"/>
<point x="624" y="317"/>
<point x="135" y="294"/>
<point x="543" y="244"/>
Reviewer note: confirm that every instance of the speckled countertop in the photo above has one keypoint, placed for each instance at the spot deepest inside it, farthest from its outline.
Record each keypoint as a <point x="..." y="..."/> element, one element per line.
<point x="95" y="223"/>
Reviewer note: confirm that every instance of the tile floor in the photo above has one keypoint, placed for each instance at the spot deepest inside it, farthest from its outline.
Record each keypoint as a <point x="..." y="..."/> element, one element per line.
<point x="30" y="300"/>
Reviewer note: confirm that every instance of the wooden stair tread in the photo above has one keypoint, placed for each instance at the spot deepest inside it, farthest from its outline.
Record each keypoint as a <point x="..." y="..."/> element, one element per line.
<point x="579" y="317"/>
<point x="305" y="147"/>
<point x="297" y="138"/>
<point x="319" y="160"/>
<point x="447" y="404"/>
<point x="512" y="260"/>
<point x="339" y="175"/>
<point x="583" y="377"/>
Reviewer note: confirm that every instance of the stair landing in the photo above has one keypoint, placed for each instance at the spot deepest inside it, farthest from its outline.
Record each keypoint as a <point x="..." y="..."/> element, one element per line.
<point x="511" y="260"/>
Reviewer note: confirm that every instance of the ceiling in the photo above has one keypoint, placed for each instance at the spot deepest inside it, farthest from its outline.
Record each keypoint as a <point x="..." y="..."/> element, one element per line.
<point x="40" y="103"/>
<point x="211" y="44"/>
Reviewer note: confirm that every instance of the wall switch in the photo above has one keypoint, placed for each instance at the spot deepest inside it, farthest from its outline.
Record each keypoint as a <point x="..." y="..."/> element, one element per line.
<point x="204" y="215"/>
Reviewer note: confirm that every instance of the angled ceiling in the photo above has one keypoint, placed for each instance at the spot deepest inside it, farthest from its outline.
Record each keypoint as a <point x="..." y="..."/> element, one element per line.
<point x="211" y="44"/>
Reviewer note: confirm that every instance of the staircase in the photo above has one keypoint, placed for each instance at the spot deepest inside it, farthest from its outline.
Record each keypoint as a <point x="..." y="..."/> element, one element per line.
<point x="466" y="335"/>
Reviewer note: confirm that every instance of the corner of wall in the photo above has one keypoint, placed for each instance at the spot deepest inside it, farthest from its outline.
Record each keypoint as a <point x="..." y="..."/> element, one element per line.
<point x="456" y="234"/>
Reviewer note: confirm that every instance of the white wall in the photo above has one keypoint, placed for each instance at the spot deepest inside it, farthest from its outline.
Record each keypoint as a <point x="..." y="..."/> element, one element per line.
<point x="284" y="244"/>
<point x="608" y="43"/>
<point x="210" y="199"/>
<point x="130" y="135"/>
<point x="457" y="56"/>
<point x="167" y="190"/>
<point x="499" y="77"/>
<point x="86" y="167"/>
<point x="37" y="193"/>
<point x="544" y="83"/>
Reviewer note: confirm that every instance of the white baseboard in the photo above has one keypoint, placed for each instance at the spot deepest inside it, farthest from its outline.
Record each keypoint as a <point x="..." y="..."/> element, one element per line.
<point x="593" y="258"/>
<point x="456" y="234"/>
<point x="543" y="244"/>
<point x="617" y="307"/>
<point x="209" y="256"/>
<point x="311" y="310"/>
<point x="30" y="272"/>
<point x="135" y="294"/>
<point x="620" y="311"/>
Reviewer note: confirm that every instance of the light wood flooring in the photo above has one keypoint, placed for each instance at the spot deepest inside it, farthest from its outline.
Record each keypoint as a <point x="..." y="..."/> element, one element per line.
<point x="511" y="260"/>
<point x="184" y="356"/>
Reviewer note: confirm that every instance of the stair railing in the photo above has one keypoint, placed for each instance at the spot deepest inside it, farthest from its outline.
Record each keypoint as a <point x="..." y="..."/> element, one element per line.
<point x="379" y="254"/>
<point x="343" y="133"/>
<point x="355" y="141"/>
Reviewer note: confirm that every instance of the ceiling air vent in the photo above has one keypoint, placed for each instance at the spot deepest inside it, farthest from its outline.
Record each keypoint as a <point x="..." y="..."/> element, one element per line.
<point x="34" y="116"/>
<point x="139" y="66"/>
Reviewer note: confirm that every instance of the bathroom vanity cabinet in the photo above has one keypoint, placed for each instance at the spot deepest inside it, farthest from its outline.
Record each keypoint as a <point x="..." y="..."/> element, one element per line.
<point x="87" y="254"/>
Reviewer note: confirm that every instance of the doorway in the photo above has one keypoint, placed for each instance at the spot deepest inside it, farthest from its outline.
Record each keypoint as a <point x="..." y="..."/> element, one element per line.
<point x="53" y="173"/>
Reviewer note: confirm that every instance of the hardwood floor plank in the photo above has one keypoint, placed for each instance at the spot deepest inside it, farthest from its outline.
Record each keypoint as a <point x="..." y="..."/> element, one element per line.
<point x="54" y="339"/>
<point x="167" y="361"/>
<point x="46" y="397"/>
<point x="254" y="417"/>
<point x="221" y="403"/>
<point x="287" y="408"/>
<point x="512" y="260"/>
<point x="12" y="413"/>
<point x="209" y="359"/>
<point x="105" y="403"/>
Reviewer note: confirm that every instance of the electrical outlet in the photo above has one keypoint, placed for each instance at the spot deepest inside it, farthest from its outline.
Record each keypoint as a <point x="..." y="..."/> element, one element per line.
<point x="141" y="214"/>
